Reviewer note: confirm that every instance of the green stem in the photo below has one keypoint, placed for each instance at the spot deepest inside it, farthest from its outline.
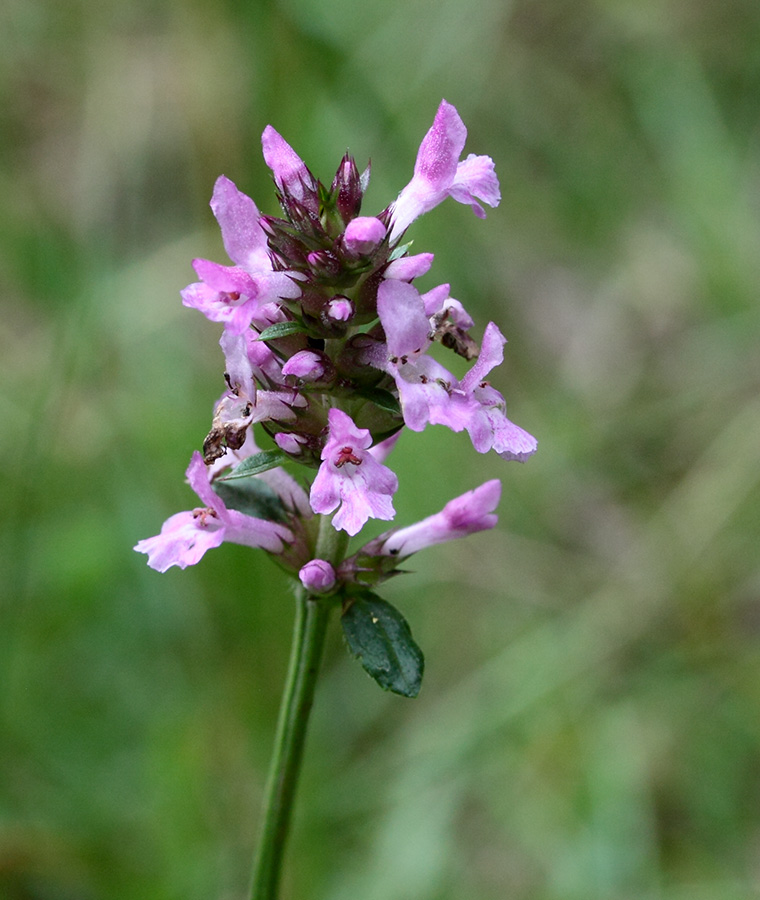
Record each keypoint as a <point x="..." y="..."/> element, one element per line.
<point x="312" y="614"/>
<point x="306" y="652"/>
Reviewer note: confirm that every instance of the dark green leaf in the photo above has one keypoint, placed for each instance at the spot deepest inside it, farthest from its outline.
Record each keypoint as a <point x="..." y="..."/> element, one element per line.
<point x="382" y="399"/>
<point x="281" y="330"/>
<point x="379" y="637"/>
<point x="254" y="465"/>
<point x="253" y="497"/>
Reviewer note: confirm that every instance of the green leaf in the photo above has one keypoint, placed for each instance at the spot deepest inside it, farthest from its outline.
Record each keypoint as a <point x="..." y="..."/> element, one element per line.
<point x="281" y="330"/>
<point x="379" y="637"/>
<point x="252" y="497"/>
<point x="400" y="251"/>
<point x="254" y="465"/>
<point x="382" y="399"/>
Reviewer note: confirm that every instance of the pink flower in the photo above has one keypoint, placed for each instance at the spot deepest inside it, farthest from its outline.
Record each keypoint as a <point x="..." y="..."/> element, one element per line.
<point x="350" y="477"/>
<point x="244" y="239"/>
<point x="186" y="536"/>
<point x="308" y="365"/>
<point x="426" y="389"/>
<point x="236" y="295"/>
<point x="488" y="425"/>
<point x="438" y="174"/>
<point x="464" y="515"/>
<point x="340" y="309"/>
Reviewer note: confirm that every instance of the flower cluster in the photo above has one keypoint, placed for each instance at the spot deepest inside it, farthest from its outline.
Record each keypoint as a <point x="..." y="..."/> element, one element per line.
<point x="326" y="343"/>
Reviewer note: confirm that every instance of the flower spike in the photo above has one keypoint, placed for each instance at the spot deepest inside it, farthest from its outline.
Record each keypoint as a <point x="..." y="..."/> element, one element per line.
<point x="327" y="346"/>
<point x="327" y="352"/>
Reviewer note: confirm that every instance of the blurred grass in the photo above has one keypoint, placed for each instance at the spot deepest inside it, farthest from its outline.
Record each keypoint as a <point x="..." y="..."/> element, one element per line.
<point x="588" y="726"/>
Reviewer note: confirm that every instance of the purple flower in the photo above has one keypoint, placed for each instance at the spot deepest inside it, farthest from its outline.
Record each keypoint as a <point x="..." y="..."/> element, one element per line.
<point x="488" y="426"/>
<point x="438" y="174"/>
<point x="289" y="442"/>
<point x="244" y="239"/>
<point x="186" y="536"/>
<point x="236" y="295"/>
<point x="351" y="477"/>
<point x="473" y="511"/>
<point x="429" y="394"/>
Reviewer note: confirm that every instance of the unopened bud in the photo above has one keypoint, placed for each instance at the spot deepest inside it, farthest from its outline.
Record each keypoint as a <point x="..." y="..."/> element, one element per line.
<point x="347" y="189"/>
<point x="340" y="309"/>
<point x="362" y="235"/>
<point x="291" y="175"/>
<point x="324" y="264"/>
<point x="317" y="576"/>
<point x="307" y="365"/>
<point x="409" y="267"/>
<point x="290" y="443"/>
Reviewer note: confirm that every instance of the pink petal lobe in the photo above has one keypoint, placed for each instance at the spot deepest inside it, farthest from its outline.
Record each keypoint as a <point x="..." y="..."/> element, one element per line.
<point x="441" y="148"/>
<point x="290" y="173"/>
<point x="182" y="541"/>
<point x="402" y="314"/>
<point x="238" y="218"/>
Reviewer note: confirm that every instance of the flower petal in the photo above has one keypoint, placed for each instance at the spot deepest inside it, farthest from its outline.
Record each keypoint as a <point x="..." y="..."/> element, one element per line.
<point x="184" y="538"/>
<point x="238" y="218"/>
<point x="290" y="173"/>
<point x="402" y="314"/>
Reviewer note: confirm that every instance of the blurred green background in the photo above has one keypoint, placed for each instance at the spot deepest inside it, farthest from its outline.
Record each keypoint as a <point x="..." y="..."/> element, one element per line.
<point x="588" y="727"/>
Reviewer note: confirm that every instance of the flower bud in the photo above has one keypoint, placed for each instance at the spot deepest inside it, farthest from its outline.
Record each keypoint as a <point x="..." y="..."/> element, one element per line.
<point x="409" y="267"/>
<point x="290" y="443"/>
<point x="347" y="189"/>
<point x="292" y="177"/>
<point x="308" y="365"/>
<point x="324" y="264"/>
<point x="289" y="251"/>
<point x="317" y="576"/>
<point x="340" y="309"/>
<point x="363" y="234"/>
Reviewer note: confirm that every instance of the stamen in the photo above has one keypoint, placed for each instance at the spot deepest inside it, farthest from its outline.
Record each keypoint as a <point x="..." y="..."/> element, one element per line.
<point x="346" y="455"/>
<point x="202" y="514"/>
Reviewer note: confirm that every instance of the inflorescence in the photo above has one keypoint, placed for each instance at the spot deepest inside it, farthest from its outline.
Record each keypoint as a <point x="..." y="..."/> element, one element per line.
<point x="326" y="344"/>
